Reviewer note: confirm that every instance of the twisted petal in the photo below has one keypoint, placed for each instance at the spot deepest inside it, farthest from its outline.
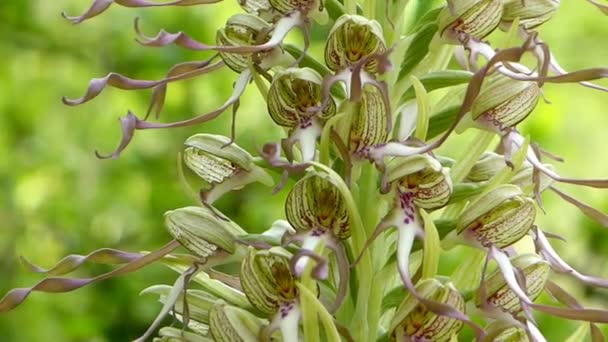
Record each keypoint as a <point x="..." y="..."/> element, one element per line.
<point x="531" y="156"/>
<point x="588" y="210"/>
<point x="564" y="297"/>
<point x="99" y="6"/>
<point x="72" y="262"/>
<point x="131" y="123"/>
<point x="559" y="265"/>
<point x="53" y="285"/>
<point x="179" y="72"/>
<point x="281" y="29"/>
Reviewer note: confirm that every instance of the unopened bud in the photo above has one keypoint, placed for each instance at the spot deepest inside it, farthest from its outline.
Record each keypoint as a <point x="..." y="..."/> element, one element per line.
<point x="504" y="102"/>
<point x="201" y="231"/>
<point x="314" y="202"/>
<point x="499" y="218"/>
<point x="424" y="177"/>
<point x="500" y="332"/>
<point x="535" y="271"/>
<point x="229" y="323"/>
<point x="474" y="18"/>
<point x="352" y="38"/>
<point x="531" y="13"/>
<point x="486" y="167"/>
<point x="292" y="93"/>
<point x="242" y="30"/>
<point x="266" y="279"/>
<point x="413" y="321"/>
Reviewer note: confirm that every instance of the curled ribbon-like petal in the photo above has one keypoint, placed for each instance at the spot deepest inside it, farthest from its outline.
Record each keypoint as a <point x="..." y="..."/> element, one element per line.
<point x="100" y="6"/>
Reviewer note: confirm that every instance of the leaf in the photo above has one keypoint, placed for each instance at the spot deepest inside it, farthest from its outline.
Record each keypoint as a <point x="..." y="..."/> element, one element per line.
<point x="432" y="247"/>
<point x="331" y="333"/>
<point x="438" y="80"/>
<point x="417" y="50"/>
<point x="441" y="121"/>
<point x="424" y="107"/>
<point x="578" y="334"/>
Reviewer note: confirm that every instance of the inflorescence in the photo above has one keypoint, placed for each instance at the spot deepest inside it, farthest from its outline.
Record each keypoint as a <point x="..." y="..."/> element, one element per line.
<point x="359" y="161"/>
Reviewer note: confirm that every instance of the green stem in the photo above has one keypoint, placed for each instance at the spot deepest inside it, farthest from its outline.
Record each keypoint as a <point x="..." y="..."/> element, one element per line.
<point x="381" y="281"/>
<point x="369" y="10"/>
<point x="350" y="6"/>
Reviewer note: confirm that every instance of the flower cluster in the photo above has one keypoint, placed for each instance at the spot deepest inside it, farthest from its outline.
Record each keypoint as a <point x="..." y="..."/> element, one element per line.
<point x="359" y="161"/>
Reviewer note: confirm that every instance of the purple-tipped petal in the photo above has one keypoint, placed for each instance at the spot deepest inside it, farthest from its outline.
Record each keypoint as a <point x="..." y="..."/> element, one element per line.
<point x="99" y="6"/>
<point x="74" y="261"/>
<point x="178" y="72"/>
<point x="281" y="29"/>
<point x="128" y="125"/>
<point x="54" y="285"/>
<point x="131" y="123"/>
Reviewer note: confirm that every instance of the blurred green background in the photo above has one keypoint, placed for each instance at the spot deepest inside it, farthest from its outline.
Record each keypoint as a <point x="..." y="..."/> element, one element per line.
<point x="56" y="198"/>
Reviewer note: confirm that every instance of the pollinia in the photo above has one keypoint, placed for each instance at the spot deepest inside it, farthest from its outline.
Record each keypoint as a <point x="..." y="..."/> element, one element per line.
<point x="360" y="160"/>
